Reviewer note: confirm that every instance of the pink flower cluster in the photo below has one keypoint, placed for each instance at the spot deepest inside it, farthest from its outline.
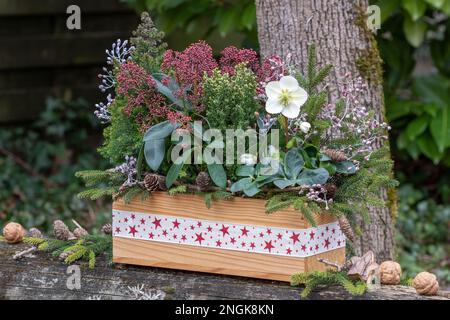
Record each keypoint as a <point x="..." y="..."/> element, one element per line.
<point x="272" y="69"/>
<point x="232" y="56"/>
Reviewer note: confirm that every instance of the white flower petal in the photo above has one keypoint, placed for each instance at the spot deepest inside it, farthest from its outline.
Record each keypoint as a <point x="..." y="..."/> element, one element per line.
<point x="299" y="96"/>
<point x="273" y="89"/>
<point x="289" y="83"/>
<point x="273" y="106"/>
<point x="291" y="111"/>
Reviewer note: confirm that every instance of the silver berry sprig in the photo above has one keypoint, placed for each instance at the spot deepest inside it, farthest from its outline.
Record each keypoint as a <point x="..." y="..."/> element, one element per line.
<point x="102" y="110"/>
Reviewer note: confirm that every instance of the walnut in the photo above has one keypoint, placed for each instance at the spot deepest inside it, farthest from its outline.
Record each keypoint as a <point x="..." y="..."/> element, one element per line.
<point x="425" y="283"/>
<point x="390" y="272"/>
<point x="14" y="232"/>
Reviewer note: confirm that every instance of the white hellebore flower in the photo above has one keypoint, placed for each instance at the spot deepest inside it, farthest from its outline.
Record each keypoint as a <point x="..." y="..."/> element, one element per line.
<point x="305" y="127"/>
<point x="248" y="159"/>
<point x="285" y="97"/>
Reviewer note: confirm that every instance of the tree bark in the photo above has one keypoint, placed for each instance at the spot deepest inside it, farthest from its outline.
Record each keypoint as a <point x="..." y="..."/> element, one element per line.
<point x="287" y="27"/>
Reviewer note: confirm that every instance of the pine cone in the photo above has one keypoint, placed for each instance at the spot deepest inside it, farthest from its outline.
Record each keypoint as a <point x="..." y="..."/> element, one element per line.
<point x="79" y="233"/>
<point x="346" y="228"/>
<point x="152" y="182"/>
<point x="107" y="228"/>
<point x="331" y="190"/>
<point x="61" y="231"/>
<point x="335" y="155"/>
<point x="35" y="233"/>
<point x="203" y="180"/>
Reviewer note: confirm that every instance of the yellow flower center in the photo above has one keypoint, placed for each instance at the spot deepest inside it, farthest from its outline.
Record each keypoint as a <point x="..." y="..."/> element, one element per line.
<point x="285" y="97"/>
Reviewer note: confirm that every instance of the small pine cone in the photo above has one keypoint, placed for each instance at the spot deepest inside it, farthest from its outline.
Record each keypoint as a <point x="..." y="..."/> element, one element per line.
<point x="331" y="190"/>
<point x="35" y="233"/>
<point x="152" y="182"/>
<point x="63" y="256"/>
<point x="346" y="228"/>
<point x="203" y="180"/>
<point x="61" y="231"/>
<point x="79" y="233"/>
<point x="335" y="155"/>
<point x="107" y="228"/>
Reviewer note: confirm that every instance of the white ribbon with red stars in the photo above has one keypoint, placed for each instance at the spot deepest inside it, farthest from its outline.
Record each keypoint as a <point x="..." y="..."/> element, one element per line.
<point x="228" y="236"/>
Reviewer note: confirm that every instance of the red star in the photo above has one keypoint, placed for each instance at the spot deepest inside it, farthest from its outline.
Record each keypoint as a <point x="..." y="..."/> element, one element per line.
<point x="326" y="229"/>
<point x="317" y="247"/>
<point x="268" y="231"/>
<point x="244" y="231"/>
<point x="243" y="244"/>
<point x="288" y="251"/>
<point x="199" y="237"/>
<point x="261" y="234"/>
<point x="218" y="243"/>
<point x="192" y="227"/>
<point x="133" y="216"/>
<point x="339" y="242"/>
<point x="142" y="221"/>
<point x="252" y="245"/>
<point x="209" y="229"/>
<point x="132" y="230"/>
<point x="151" y="235"/>
<point x="117" y="229"/>
<point x="224" y="230"/>
<point x="279" y="236"/>
<point x="232" y="240"/>
<point x="183" y="237"/>
<point x="174" y="236"/>
<point x="303" y="247"/>
<point x="294" y="237"/>
<point x="164" y="233"/>
<point x="321" y="234"/>
<point x="310" y="248"/>
<point x="157" y="223"/>
<point x="326" y="243"/>
<point x="199" y="224"/>
<point x="126" y="219"/>
<point x="176" y="224"/>
<point x="333" y="230"/>
<point x="269" y="245"/>
<point x="311" y="235"/>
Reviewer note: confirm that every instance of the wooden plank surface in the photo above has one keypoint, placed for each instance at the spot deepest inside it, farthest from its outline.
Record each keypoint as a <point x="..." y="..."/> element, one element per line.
<point x="40" y="277"/>
<point x="237" y="210"/>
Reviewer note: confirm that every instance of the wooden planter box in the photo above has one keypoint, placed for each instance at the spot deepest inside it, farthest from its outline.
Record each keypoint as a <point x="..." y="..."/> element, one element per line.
<point x="233" y="237"/>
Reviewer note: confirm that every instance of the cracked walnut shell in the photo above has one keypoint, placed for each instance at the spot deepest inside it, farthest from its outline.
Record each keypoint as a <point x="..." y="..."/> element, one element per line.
<point x="425" y="283"/>
<point x="390" y="272"/>
<point x="14" y="232"/>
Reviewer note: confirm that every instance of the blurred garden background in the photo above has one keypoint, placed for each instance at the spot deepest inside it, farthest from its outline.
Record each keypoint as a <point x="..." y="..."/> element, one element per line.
<point x="48" y="90"/>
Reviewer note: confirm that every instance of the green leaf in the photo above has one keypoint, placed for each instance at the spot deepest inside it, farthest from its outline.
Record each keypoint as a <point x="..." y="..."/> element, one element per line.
<point x="241" y="185"/>
<point x="433" y="89"/>
<point x="436" y="3"/>
<point x="154" y="151"/>
<point x="416" y="127"/>
<point x="284" y="183"/>
<point x="414" y="31"/>
<point x="429" y="148"/>
<point x="387" y="8"/>
<point x="218" y="175"/>
<point x="440" y="129"/>
<point x="294" y="163"/>
<point x="139" y="164"/>
<point x="415" y="8"/>
<point x="313" y="176"/>
<point x="173" y="174"/>
<point x="251" y="190"/>
<point x="248" y="17"/>
<point x="346" y="167"/>
<point x="168" y="92"/>
<point x="160" y="131"/>
<point x="245" y="171"/>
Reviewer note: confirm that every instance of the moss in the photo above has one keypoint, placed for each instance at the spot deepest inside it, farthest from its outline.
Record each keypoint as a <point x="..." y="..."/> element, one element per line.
<point x="369" y="62"/>
<point x="392" y="203"/>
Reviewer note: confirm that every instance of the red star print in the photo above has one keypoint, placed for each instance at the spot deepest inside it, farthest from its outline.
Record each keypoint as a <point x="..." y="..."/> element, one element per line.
<point x="126" y="219"/>
<point x="192" y="227"/>
<point x="311" y="235"/>
<point x="142" y="221"/>
<point x="269" y="245"/>
<point x="174" y="236"/>
<point x="199" y="224"/>
<point x="339" y="242"/>
<point x="279" y="236"/>
<point x="303" y="247"/>
<point x="183" y="237"/>
<point x="326" y="229"/>
<point x="294" y="237"/>
<point x="151" y="235"/>
<point x="244" y="231"/>
<point x="261" y="234"/>
<point x="132" y="230"/>
<point x="224" y="230"/>
<point x="157" y="223"/>
<point x="176" y="224"/>
<point x="268" y="231"/>
<point x="317" y="247"/>
<point x="117" y="229"/>
<point x="209" y="229"/>
<point x="243" y="244"/>
<point x="199" y="237"/>
<point x="252" y="245"/>
<point x="322" y="234"/>
<point x="164" y="233"/>
<point x="333" y="230"/>
<point x="133" y="216"/>
<point x="232" y="240"/>
<point x="218" y="243"/>
<point x="288" y="251"/>
<point x="326" y="243"/>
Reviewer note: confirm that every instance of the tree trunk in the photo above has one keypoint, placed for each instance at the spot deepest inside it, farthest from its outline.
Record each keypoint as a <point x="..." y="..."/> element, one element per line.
<point x="338" y="29"/>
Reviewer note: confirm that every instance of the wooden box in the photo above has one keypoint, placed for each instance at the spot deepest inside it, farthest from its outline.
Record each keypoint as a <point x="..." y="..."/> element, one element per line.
<point x="233" y="237"/>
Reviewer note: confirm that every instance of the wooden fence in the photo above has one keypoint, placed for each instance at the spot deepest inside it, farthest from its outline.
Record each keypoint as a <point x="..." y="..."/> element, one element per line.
<point x="40" y="57"/>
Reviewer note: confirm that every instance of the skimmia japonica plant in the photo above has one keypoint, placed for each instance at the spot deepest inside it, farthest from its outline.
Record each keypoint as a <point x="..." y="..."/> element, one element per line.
<point x="235" y="126"/>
